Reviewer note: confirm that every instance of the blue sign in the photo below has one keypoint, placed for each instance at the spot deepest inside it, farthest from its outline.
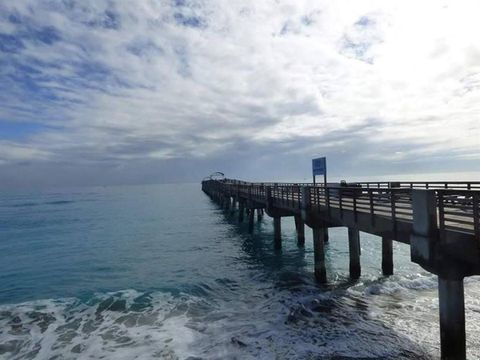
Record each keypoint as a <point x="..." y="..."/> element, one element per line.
<point x="319" y="166"/>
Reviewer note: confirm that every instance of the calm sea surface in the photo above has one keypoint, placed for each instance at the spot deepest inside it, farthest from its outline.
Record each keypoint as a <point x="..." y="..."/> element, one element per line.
<point x="160" y="271"/>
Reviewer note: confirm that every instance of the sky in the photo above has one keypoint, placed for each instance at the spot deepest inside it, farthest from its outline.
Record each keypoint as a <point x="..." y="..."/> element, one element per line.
<point x="100" y="92"/>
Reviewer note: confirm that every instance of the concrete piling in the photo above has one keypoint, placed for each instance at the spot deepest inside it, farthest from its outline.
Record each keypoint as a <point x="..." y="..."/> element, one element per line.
<point x="251" y="215"/>
<point x="354" y="250"/>
<point x="259" y="214"/>
<point x="452" y="318"/>
<point x="426" y="250"/>
<point x="241" y="210"/>
<point x="277" y="232"/>
<point x="387" y="256"/>
<point x="325" y="235"/>
<point x="319" y="254"/>
<point x="300" y="228"/>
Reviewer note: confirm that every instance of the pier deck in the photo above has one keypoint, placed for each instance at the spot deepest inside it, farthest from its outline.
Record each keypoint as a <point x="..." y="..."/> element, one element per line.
<point x="439" y="220"/>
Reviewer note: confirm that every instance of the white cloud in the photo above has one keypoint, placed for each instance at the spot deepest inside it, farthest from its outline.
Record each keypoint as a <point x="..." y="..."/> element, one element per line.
<point x="148" y="79"/>
<point x="11" y="151"/>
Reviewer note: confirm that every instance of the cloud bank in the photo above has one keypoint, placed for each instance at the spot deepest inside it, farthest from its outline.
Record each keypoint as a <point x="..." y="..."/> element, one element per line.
<point x="100" y="92"/>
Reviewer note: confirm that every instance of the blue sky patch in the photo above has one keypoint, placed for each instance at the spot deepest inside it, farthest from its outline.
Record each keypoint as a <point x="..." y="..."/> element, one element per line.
<point x="109" y="20"/>
<point x="285" y="28"/>
<point x="365" y="21"/>
<point x="307" y="20"/>
<point x="144" y="48"/>
<point x="47" y="35"/>
<point x="179" y="3"/>
<point x="26" y="30"/>
<point x="189" y="21"/>
<point x="14" y="18"/>
<point x="10" y="44"/>
<point x="17" y="130"/>
<point x="184" y="65"/>
<point x="358" y="48"/>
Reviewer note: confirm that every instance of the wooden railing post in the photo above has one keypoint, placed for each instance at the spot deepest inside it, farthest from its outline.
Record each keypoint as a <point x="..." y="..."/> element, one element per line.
<point x="355" y="205"/>
<point x="327" y="199"/>
<point x="268" y="198"/>
<point x="393" y="207"/>
<point x="305" y="201"/>
<point x="441" y="213"/>
<point x="340" y="202"/>
<point x="372" y="208"/>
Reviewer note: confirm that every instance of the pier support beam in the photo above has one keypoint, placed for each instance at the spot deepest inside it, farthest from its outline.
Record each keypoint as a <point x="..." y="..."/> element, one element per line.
<point x="234" y="205"/>
<point x="424" y="238"/>
<point x="241" y="210"/>
<point x="300" y="228"/>
<point x="259" y="214"/>
<point x="325" y="235"/>
<point x="426" y="250"/>
<point x="227" y="203"/>
<point x="251" y="215"/>
<point x="354" y="249"/>
<point x="387" y="256"/>
<point x="452" y="318"/>
<point x="277" y="232"/>
<point x="319" y="254"/>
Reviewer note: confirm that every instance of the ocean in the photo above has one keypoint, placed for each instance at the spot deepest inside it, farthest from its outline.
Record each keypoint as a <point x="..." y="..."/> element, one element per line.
<point x="161" y="272"/>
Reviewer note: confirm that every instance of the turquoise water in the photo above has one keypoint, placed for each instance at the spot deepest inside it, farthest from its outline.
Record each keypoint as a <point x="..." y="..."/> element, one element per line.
<point x="161" y="272"/>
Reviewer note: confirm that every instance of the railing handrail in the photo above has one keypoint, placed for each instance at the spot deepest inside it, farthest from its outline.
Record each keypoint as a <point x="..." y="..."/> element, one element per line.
<point x="457" y="208"/>
<point x="398" y="184"/>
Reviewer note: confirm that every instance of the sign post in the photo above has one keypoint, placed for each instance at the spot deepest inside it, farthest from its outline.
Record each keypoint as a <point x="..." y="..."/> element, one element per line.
<point x="319" y="167"/>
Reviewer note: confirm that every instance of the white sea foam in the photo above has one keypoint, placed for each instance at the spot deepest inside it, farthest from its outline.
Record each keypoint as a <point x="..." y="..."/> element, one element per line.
<point x="402" y="284"/>
<point x="123" y="325"/>
<point x="133" y="325"/>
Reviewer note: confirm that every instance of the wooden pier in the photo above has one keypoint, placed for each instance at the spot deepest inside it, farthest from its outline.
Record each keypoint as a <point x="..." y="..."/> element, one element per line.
<point x="439" y="220"/>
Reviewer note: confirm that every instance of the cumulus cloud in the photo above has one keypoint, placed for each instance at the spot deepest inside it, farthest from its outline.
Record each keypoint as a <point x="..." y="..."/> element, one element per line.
<point x="114" y="84"/>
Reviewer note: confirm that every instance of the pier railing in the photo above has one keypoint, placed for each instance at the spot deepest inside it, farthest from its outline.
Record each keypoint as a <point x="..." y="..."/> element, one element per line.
<point x="433" y="185"/>
<point x="457" y="202"/>
<point x="459" y="209"/>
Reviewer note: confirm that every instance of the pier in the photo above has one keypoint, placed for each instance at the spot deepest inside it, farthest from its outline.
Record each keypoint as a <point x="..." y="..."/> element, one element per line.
<point x="439" y="220"/>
